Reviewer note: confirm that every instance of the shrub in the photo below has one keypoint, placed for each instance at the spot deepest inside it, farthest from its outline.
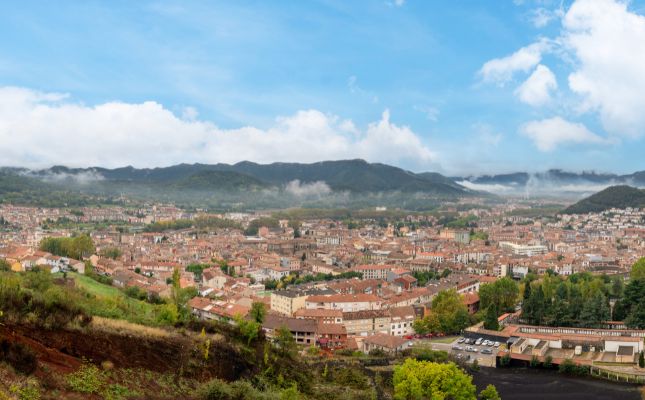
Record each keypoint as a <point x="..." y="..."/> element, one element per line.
<point x="505" y="360"/>
<point x="88" y="379"/>
<point x="377" y="353"/>
<point x="215" y="389"/>
<point x="19" y="356"/>
<point x="548" y="362"/>
<point x="534" y="362"/>
<point x="28" y="391"/>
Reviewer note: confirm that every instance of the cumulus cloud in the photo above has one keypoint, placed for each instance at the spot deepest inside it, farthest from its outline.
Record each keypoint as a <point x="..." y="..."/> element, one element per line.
<point x="541" y="17"/>
<point x="608" y="42"/>
<point x="312" y="189"/>
<point x="536" y="90"/>
<point x="41" y="129"/>
<point x="502" y="70"/>
<point x="547" y="134"/>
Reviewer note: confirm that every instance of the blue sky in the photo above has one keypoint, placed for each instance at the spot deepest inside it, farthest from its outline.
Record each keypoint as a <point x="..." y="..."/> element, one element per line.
<point x="403" y="82"/>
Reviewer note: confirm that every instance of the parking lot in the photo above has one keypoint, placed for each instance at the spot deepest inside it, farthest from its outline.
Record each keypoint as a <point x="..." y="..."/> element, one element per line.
<point x="467" y="350"/>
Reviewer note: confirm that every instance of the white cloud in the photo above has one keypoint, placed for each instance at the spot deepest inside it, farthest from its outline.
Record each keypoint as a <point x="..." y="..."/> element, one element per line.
<point x="541" y="17"/>
<point x="431" y="113"/>
<point x="41" y="129"/>
<point x="313" y="189"/>
<point x="536" y="90"/>
<point x="608" y="43"/>
<point x="399" y="3"/>
<point x="502" y="70"/>
<point x="547" y="134"/>
<point x="354" y="88"/>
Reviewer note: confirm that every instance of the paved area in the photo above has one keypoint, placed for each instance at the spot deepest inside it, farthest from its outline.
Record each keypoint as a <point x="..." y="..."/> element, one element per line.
<point x="458" y="350"/>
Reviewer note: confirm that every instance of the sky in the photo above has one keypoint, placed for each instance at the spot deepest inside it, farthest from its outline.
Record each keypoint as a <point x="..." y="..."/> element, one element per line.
<point x="463" y="87"/>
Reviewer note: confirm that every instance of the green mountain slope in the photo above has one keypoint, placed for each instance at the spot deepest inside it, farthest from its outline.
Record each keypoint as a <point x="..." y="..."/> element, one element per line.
<point x="613" y="197"/>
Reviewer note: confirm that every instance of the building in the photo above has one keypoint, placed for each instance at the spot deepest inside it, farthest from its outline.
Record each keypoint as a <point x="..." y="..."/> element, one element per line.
<point x="287" y="302"/>
<point x="344" y="302"/>
<point x="524" y="249"/>
<point x="387" y="343"/>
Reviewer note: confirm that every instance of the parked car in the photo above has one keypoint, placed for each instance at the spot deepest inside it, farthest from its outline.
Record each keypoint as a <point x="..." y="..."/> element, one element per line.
<point x="496" y="344"/>
<point x="490" y="343"/>
<point x="479" y="341"/>
<point x="487" y="351"/>
<point x="461" y="340"/>
<point x="455" y="347"/>
<point x="408" y="337"/>
<point x="460" y="356"/>
<point x="471" y="349"/>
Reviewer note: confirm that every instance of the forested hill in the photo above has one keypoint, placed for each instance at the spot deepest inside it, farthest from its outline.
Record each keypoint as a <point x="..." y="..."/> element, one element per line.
<point x="613" y="197"/>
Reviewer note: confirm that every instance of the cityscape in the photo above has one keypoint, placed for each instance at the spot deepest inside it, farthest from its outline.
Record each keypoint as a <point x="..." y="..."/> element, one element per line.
<point x="322" y="200"/>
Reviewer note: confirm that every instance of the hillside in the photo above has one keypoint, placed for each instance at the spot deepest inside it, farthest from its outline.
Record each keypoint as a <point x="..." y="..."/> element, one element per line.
<point x="612" y="197"/>
<point x="345" y="183"/>
<point x="343" y="175"/>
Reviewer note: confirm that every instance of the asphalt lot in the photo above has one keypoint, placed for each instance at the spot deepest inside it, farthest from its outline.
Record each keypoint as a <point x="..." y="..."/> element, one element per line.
<point x="484" y="360"/>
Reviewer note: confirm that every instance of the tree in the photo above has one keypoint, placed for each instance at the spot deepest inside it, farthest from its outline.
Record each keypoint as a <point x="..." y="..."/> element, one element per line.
<point x="258" y="312"/>
<point x="641" y="360"/>
<point x="638" y="269"/>
<point x="285" y="341"/>
<point x="594" y="311"/>
<point x="4" y="266"/>
<point x="491" y="322"/>
<point x="503" y="293"/>
<point x="451" y="312"/>
<point x="489" y="393"/>
<point x="428" y="380"/>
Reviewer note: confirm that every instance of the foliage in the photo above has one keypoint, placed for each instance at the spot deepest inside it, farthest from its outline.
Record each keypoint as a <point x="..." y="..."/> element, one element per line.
<point x="570" y="368"/>
<point x="111" y="252"/>
<point x="489" y="393"/>
<point x="450" y="311"/>
<point x="638" y="269"/>
<point x="32" y="298"/>
<point x="258" y="312"/>
<point x="422" y="379"/>
<point x="78" y="247"/>
<point x="250" y="330"/>
<point x="581" y="300"/>
<point x="256" y="224"/>
<point x="4" y="265"/>
<point x="613" y="197"/>
<point x="503" y="293"/>
<point x="19" y="356"/>
<point x="284" y="341"/>
<point x="491" y="322"/>
<point x="88" y="379"/>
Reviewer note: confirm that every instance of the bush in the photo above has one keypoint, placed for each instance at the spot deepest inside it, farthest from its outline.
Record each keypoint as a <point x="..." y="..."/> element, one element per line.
<point x="377" y="353"/>
<point x="88" y="379"/>
<point x="19" y="356"/>
<point x="505" y="360"/>
<point x="571" y="368"/>
<point x="29" y="391"/>
<point x="548" y="362"/>
<point x="216" y="389"/>
<point x="534" y="362"/>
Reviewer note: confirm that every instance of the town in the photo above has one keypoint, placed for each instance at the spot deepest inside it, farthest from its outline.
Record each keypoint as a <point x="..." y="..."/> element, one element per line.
<point x="354" y="283"/>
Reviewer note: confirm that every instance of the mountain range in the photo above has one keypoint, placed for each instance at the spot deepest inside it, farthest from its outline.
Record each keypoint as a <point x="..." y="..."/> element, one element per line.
<point x="346" y="183"/>
<point x="554" y="183"/>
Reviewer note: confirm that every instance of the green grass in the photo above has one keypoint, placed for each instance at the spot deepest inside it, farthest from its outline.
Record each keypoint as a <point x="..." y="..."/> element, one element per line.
<point x="445" y="339"/>
<point x="110" y="302"/>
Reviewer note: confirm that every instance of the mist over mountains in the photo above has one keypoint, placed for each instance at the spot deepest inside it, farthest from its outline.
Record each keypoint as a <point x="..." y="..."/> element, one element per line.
<point x="551" y="183"/>
<point x="346" y="183"/>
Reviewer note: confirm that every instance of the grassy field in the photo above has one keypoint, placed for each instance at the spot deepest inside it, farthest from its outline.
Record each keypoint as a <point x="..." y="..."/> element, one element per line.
<point x="445" y="339"/>
<point x="110" y="302"/>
